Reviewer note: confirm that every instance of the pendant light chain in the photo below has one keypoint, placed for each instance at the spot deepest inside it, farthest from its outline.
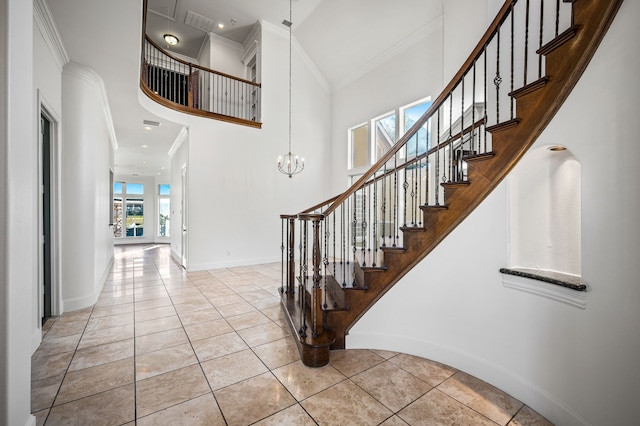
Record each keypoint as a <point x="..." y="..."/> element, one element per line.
<point x="289" y="164"/>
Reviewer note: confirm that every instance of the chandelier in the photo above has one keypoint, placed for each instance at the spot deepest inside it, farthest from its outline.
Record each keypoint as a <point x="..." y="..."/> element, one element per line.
<point x="289" y="164"/>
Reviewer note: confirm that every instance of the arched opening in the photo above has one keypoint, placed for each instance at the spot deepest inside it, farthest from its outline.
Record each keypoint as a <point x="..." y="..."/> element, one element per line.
<point x="544" y="205"/>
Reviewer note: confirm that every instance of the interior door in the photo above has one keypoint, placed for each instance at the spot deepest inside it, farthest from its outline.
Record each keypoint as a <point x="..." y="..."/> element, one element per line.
<point x="45" y="125"/>
<point x="184" y="217"/>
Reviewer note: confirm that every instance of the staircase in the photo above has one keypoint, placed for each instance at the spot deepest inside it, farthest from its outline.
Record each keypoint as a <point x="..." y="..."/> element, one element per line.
<point x="340" y="256"/>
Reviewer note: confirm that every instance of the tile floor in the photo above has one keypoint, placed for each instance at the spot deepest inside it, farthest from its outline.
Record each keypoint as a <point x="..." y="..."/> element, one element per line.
<point x="164" y="347"/>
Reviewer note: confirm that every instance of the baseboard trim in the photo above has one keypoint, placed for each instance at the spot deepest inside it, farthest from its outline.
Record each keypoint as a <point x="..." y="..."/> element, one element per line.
<point x="231" y="263"/>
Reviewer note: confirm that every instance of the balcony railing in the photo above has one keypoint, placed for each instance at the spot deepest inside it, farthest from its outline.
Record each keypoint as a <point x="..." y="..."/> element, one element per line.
<point x="198" y="90"/>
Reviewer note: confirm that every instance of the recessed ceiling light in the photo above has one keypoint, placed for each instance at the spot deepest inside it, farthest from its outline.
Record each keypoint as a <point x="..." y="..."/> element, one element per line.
<point x="170" y="39"/>
<point x="144" y="162"/>
<point x="221" y="25"/>
<point x="557" y="148"/>
<point x="145" y="146"/>
<point x="147" y="128"/>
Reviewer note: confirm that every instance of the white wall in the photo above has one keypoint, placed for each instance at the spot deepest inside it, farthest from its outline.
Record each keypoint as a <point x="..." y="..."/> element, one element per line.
<point x="412" y="74"/>
<point x="87" y="156"/>
<point x="576" y="367"/>
<point x="236" y="194"/>
<point x="18" y="188"/>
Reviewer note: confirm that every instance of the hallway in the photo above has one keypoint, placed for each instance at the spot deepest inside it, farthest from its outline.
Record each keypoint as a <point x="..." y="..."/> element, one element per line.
<point x="162" y="346"/>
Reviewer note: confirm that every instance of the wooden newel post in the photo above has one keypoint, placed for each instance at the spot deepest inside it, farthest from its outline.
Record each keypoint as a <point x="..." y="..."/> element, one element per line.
<point x="316" y="290"/>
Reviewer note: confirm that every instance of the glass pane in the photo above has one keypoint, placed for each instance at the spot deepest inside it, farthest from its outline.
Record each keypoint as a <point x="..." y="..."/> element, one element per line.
<point x="385" y="134"/>
<point x="164" y="205"/>
<point x="135" y="217"/>
<point x="117" y="217"/>
<point x="360" y="146"/>
<point x="164" y="189"/>
<point x="422" y="143"/>
<point x="117" y="187"/>
<point x="135" y="188"/>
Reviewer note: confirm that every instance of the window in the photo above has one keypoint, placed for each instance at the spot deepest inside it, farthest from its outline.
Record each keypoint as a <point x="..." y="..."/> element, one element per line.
<point x="359" y="146"/>
<point x="164" y="209"/>
<point x="365" y="148"/>
<point x="385" y="134"/>
<point x="128" y="209"/>
<point x="411" y="114"/>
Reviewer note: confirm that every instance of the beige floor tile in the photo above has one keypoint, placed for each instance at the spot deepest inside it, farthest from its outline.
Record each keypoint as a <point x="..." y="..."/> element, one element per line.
<point x="110" y="321"/>
<point x="113" y="407"/>
<point x="437" y="409"/>
<point x="232" y="368"/>
<point x="256" y="295"/>
<point x="184" y="290"/>
<point x="278" y="353"/>
<point x="154" y="313"/>
<point x="166" y="390"/>
<point x="93" y="380"/>
<point x="354" y="361"/>
<point x="190" y="318"/>
<point x="109" y="300"/>
<point x="200" y="411"/>
<point x="161" y="340"/>
<point x="384" y="354"/>
<point x="528" y="417"/>
<point x="182" y="308"/>
<point x="102" y="354"/>
<point x="112" y="310"/>
<point x="157" y="325"/>
<point x="261" y="334"/>
<point x="235" y="309"/>
<point x="107" y="335"/>
<point x="355" y="406"/>
<point x="302" y="381"/>
<point x="188" y="298"/>
<point x="48" y="366"/>
<point x="154" y="303"/>
<point x="230" y="299"/>
<point x="482" y="397"/>
<point x="150" y="293"/>
<point x="393" y="421"/>
<point x="57" y="345"/>
<point x="268" y="302"/>
<point x="217" y="346"/>
<point x="253" y="399"/>
<point x="431" y="372"/>
<point x="250" y="319"/>
<point x="294" y="415"/>
<point x="390" y="385"/>
<point x="44" y="391"/>
<point x="78" y="315"/>
<point x="66" y="328"/>
<point x="164" y="360"/>
<point x="207" y="329"/>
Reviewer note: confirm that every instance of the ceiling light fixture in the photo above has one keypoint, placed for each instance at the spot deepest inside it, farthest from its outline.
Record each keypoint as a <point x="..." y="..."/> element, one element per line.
<point x="170" y="39"/>
<point x="556" y="148"/>
<point x="221" y="25"/>
<point x="289" y="164"/>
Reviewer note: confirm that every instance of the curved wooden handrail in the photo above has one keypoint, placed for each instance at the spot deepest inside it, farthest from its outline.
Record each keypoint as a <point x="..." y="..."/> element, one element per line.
<point x="192" y="65"/>
<point x="444" y="95"/>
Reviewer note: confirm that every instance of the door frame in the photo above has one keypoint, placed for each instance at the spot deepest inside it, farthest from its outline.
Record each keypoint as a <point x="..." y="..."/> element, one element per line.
<point x="184" y="216"/>
<point x="45" y="109"/>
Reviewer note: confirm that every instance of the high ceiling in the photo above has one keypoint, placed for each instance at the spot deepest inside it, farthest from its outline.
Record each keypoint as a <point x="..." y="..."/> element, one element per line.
<point x="341" y="37"/>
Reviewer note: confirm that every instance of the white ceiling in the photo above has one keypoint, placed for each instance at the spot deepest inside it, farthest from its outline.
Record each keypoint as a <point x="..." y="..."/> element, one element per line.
<point x="342" y="37"/>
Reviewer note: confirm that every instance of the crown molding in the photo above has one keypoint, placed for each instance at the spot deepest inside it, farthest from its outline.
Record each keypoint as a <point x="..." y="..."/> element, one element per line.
<point x="90" y="76"/>
<point x="46" y="25"/>
<point x="182" y="136"/>
<point x="387" y="55"/>
<point x="274" y="29"/>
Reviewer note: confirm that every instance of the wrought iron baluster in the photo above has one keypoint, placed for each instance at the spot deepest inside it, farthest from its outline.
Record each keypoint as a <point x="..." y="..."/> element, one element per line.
<point x="395" y="202"/>
<point x="511" y="99"/>
<point x="541" y="36"/>
<point x="437" y="170"/>
<point x="526" y="40"/>
<point x="557" y="17"/>
<point x="498" y="79"/>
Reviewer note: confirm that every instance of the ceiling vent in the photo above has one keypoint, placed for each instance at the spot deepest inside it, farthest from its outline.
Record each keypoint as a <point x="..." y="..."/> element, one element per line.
<point x="151" y="123"/>
<point x="200" y="22"/>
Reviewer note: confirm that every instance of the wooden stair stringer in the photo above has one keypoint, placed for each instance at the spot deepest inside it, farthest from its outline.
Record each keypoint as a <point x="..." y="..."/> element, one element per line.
<point x="564" y="67"/>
